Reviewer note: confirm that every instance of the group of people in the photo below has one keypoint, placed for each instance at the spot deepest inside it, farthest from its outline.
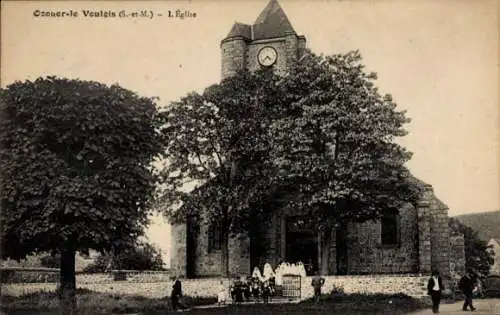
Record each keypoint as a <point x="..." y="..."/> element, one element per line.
<point x="248" y="288"/>
<point x="467" y="284"/>
<point x="260" y="286"/>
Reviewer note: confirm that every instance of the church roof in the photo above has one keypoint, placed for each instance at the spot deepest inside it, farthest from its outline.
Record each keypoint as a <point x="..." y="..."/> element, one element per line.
<point x="272" y="22"/>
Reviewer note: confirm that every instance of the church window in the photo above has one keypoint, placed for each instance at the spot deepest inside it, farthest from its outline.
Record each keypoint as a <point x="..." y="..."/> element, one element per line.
<point x="214" y="238"/>
<point x="390" y="228"/>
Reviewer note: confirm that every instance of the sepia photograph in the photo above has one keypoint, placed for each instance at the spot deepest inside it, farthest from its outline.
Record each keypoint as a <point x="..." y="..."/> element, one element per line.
<point x="250" y="157"/>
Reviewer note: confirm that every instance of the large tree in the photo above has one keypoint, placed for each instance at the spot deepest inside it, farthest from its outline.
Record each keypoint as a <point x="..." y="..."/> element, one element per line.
<point x="75" y="159"/>
<point x="478" y="254"/>
<point x="217" y="141"/>
<point x="334" y="144"/>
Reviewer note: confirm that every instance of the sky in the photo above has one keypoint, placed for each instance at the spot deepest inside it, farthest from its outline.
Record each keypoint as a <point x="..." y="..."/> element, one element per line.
<point x="439" y="59"/>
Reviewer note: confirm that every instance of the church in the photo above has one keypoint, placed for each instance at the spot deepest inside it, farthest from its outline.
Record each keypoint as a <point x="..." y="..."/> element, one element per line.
<point x="413" y="241"/>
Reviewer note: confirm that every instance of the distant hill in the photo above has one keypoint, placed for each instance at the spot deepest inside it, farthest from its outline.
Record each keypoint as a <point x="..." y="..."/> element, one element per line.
<point x="487" y="224"/>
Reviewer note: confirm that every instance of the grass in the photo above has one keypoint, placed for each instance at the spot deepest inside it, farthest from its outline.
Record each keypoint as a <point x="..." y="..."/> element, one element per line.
<point x="93" y="303"/>
<point x="353" y="304"/>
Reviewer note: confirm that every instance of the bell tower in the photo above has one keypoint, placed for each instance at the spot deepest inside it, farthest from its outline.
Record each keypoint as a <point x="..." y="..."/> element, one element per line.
<point x="270" y="41"/>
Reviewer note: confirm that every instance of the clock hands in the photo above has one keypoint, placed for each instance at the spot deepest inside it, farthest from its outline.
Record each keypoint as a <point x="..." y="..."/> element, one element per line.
<point x="267" y="56"/>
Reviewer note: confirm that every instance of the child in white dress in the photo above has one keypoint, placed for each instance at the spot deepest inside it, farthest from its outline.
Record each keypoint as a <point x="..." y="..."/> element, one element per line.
<point x="221" y="297"/>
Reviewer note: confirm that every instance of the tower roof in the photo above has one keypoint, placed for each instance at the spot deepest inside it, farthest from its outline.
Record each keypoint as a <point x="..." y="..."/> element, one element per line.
<point x="272" y="22"/>
<point x="240" y="29"/>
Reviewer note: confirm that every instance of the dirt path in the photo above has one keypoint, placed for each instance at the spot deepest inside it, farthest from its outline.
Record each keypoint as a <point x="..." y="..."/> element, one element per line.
<point x="483" y="307"/>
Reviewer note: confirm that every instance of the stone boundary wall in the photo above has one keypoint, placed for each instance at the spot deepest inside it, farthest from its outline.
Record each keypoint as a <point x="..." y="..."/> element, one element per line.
<point x="138" y="277"/>
<point x="46" y="275"/>
<point x="412" y="285"/>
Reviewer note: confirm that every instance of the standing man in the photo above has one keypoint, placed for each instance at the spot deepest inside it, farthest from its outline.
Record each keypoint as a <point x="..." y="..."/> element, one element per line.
<point x="466" y="285"/>
<point x="435" y="288"/>
<point x="176" y="293"/>
<point x="317" y="282"/>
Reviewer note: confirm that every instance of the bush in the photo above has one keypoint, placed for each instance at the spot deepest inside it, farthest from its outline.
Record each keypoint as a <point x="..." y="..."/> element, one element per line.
<point x="478" y="254"/>
<point x="96" y="267"/>
<point x="49" y="261"/>
<point x="142" y="256"/>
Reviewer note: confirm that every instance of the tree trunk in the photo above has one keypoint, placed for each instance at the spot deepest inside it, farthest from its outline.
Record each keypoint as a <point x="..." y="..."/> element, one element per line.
<point x="325" y="246"/>
<point x="225" y="251"/>
<point x="67" y="282"/>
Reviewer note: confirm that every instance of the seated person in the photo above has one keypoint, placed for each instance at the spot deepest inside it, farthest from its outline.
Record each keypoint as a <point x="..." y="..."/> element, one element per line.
<point x="256" y="285"/>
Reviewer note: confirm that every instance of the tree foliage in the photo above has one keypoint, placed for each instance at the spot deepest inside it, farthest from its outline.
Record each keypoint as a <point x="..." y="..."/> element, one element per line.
<point x="478" y="254"/>
<point x="219" y="140"/>
<point x="75" y="165"/>
<point x="336" y="142"/>
<point x="75" y="158"/>
<point x="320" y="139"/>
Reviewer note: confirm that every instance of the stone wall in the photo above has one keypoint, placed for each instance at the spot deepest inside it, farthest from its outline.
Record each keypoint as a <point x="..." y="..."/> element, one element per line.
<point x="367" y="254"/>
<point x="239" y="255"/>
<point x="149" y="283"/>
<point x="292" y="50"/>
<point x="178" y="260"/>
<point x="151" y="290"/>
<point x="424" y="236"/>
<point x="412" y="285"/>
<point x="424" y="242"/>
<point x="206" y="263"/>
<point x="133" y="276"/>
<point x="46" y="275"/>
<point x="440" y="237"/>
<point x="281" y="48"/>
<point x="234" y="53"/>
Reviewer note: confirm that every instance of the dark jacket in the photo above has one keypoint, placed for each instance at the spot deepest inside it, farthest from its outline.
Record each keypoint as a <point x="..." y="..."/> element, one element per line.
<point x="430" y="284"/>
<point x="317" y="282"/>
<point x="467" y="284"/>
<point x="177" y="288"/>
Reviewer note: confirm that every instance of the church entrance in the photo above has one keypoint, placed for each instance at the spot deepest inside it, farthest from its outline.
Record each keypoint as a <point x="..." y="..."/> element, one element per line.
<point x="301" y="243"/>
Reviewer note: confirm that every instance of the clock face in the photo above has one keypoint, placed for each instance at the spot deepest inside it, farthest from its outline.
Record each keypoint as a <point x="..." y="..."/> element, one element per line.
<point x="267" y="56"/>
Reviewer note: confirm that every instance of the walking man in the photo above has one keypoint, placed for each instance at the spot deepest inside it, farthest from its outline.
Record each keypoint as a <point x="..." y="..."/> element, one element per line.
<point x="317" y="282"/>
<point x="435" y="288"/>
<point x="466" y="285"/>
